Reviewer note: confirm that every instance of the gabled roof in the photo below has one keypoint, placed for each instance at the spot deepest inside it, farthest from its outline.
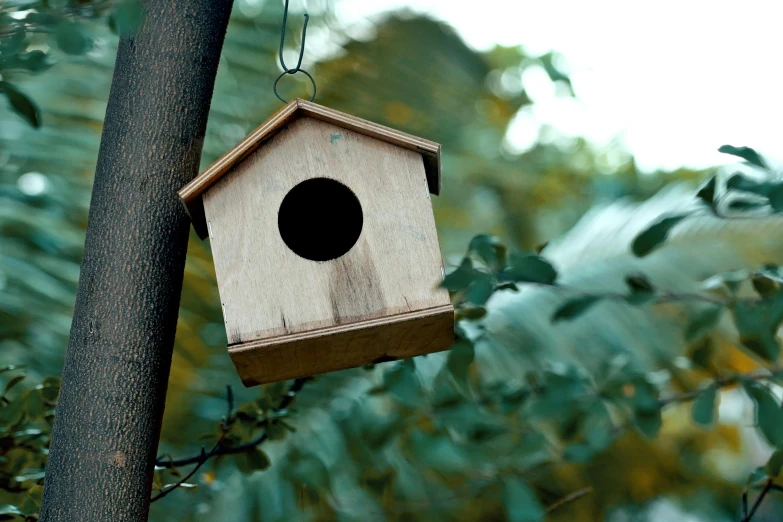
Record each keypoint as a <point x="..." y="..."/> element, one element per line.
<point x="191" y="193"/>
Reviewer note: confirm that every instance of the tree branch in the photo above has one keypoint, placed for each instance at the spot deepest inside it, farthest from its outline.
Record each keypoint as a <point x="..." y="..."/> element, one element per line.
<point x="166" y="490"/>
<point x="219" y="449"/>
<point x="576" y="495"/>
<point x="724" y="382"/>
<point x="759" y="500"/>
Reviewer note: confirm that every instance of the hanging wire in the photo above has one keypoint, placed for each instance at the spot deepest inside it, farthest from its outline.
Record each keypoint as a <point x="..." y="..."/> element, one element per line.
<point x="298" y="68"/>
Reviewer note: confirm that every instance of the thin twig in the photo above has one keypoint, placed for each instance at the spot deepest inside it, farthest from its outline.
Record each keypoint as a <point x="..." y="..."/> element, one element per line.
<point x="230" y="403"/>
<point x="724" y="382"/>
<point x="745" y="503"/>
<point x="195" y="458"/>
<point x="576" y="495"/>
<point x="662" y="297"/>
<point x="166" y="490"/>
<point x="759" y="500"/>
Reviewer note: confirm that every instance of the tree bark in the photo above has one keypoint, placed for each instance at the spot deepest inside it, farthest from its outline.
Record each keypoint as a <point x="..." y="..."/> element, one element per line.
<point x="117" y="364"/>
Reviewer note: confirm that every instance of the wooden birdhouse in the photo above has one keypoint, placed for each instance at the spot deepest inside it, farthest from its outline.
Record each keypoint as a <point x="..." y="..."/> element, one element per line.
<point x="324" y="244"/>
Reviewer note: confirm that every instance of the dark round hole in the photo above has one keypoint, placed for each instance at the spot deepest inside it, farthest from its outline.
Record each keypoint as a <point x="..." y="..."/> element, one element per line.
<point x="320" y="219"/>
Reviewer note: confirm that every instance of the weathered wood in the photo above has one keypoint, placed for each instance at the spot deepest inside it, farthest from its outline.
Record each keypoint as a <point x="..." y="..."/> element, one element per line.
<point x="117" y="363"/>
<point x="192" y="192"/>
<point x="348" y="346"/>
<point x="267" y="290"/>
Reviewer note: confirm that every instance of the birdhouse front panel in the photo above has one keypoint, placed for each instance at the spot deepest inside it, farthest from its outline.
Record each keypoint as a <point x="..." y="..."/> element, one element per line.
<point x="326" y="253"/>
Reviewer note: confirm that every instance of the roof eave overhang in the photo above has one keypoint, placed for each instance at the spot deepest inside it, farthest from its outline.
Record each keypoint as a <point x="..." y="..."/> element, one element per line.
<point x="191" y="194"/>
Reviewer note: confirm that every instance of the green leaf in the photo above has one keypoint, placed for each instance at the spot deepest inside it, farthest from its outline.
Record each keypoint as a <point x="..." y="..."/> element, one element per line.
<point x="50" y="389"/>
<point x="378" y="481"/>
<point x="13" y="382"/>
<point x="639" y="283"/>
<point x="12" y="43"/>
<point x="461" y="356"/>
<point x="21" y="104"/>
<point x="529" y="269"/>
<point x="43" y="18"/>
<point x="650" y="239"/>
<point x="258" y="460"/>
<point x="642" y="290"/>
<point x="704" y="320"/>
<point x="757" y="475"/>
<point x="9" y="512"/>
<point x="275" y="430"/>
<point x="578" y="453"/>
<point x="481" y="289"/>
<point x="490" y="250"/>
<point x="462" y="277"/>
<point x="520" y="502"/>
<point x="746" y="184"/>
<point x="403" y="384"/>
<point x="34" y="405"/>
<point x="36" y="494"/>
<point x="703" y="352"/>
<point x="769" y="415"/>
<point x="707" y="192"/>
<point x="247" y="412"/>
<point x="12" y="413"/>
<point x="126" y="17"/>
<point x="33" y="61"/>
<point x="765" y="286"/>
<point x="705" y="406"/>
<point x="645" y="395"/>
<point x="437" y="451"/>
<point x="648" y="422"/>
<point x="775" y="463"/>
<point x="573" y="308"/>
<point x="776" y="197"/>
<point x="745" y="204"/>
<point x="157" y="481"/>
<point x="757" y="323"/>
<point x="71" y="38"/>
<point x="470" y="313"/>
<point x="562" y="390"/>
<point x="772" y="191"/>
<point x="310" y="471"/>
<point x="597" y="427"/>
<point x="746" y="153"/>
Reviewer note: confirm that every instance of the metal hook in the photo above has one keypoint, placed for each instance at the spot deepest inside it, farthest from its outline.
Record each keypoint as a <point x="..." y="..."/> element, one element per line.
<point x="298" y="68"/>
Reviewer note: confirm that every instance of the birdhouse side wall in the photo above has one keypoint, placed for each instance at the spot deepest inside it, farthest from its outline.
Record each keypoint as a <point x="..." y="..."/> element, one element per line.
<point x="268" y="291"/>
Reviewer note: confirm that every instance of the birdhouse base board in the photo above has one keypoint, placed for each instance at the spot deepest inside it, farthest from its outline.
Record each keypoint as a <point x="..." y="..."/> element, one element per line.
<point x="344" y="346"/>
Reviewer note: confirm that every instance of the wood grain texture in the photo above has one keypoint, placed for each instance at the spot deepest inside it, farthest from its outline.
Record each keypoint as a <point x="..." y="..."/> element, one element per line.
<point x="191" y="194"/>
<point x="332" y="349"/>
<point x="269" y="291"/>
<point x="116" y="368"/>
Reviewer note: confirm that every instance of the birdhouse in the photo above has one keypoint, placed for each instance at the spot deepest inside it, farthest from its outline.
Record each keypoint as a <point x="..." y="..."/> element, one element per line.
<point x="324" y="244"/>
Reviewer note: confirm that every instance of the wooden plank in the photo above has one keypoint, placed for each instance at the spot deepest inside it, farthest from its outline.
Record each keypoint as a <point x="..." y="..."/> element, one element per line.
<point x="191" y="194"/>
<point x="238" y="153"/>
<point x="267" y="290"/>
<point x="389" y="135"/>
<point x="341" y="347"/>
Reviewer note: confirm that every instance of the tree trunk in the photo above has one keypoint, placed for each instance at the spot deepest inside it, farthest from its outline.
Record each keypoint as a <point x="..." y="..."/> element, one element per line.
<point x="116" y="370"/>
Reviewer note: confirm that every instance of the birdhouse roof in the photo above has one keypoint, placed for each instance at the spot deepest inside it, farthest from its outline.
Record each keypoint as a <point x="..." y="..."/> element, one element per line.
<point x="191" y="193"/>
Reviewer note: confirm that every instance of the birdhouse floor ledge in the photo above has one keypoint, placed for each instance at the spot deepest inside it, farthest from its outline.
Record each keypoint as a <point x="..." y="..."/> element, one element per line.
<point x="344" y="346"/>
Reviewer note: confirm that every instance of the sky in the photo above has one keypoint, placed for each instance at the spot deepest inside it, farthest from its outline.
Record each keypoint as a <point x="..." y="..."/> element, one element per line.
<point x="670" y="81"/>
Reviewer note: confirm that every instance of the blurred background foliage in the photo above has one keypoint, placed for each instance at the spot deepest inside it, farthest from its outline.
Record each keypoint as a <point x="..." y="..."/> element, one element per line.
<point x="445" y="437"/>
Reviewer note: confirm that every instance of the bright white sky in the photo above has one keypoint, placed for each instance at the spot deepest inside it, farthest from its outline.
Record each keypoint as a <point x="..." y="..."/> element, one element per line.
<point x="670" y="80"/>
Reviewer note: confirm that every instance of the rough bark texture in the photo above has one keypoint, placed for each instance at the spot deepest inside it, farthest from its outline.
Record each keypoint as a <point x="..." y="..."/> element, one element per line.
<point x="117" y="364"/>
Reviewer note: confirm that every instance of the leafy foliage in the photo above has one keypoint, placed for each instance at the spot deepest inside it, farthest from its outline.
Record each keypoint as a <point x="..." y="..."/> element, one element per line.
<point x="26" y="415"/>
<point x="508" y="423"/>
